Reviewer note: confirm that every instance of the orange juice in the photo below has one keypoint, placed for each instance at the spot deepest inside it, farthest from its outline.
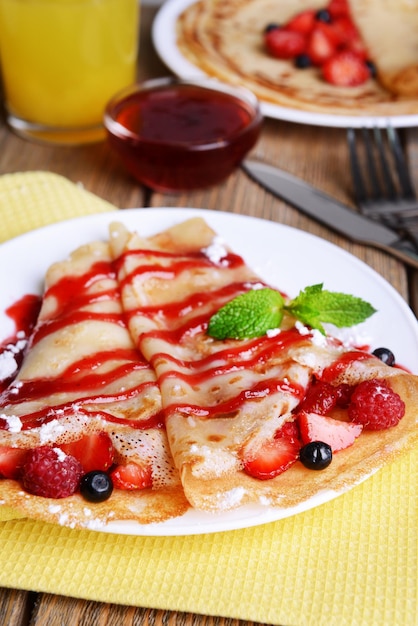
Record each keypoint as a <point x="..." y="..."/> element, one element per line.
<point x="62" y="60"/>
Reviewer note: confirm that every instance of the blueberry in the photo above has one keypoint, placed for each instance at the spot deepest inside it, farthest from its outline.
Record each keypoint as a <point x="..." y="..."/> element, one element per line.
<point x="385" y="355"/>
<point x="372" y="68"/>
<point x="302" y="61"/>
<point x="96" y="486"/>
<point x="272" y="26"/>
<point x="323" y="15"/>
<point x="316" y="455"/>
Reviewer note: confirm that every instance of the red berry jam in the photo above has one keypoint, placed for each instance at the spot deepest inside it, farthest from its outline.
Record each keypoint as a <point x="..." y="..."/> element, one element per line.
<point x="174" y="136"/>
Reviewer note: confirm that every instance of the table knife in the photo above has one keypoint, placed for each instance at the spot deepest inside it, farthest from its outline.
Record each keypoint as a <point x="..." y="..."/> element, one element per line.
<point x="331" y="212"/>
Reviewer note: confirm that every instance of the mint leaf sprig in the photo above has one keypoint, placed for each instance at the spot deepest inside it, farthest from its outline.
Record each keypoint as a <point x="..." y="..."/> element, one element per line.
<point x="255" y="312"/>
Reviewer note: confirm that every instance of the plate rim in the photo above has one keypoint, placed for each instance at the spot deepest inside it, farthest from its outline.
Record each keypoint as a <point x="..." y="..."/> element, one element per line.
<point x="163" y="38"/>
<point x="196" y="522"/>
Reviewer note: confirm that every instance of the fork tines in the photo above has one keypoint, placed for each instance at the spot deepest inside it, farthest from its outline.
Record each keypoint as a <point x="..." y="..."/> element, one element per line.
<point x="380" y="173"/>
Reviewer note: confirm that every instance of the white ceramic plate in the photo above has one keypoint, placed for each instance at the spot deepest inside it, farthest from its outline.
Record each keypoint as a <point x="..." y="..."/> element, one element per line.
<point x="285" y="257"/>
<point x="164" y="38"/>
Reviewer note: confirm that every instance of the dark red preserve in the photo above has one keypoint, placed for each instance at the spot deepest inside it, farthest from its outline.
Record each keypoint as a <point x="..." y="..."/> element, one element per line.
<point x="181" y="136"/>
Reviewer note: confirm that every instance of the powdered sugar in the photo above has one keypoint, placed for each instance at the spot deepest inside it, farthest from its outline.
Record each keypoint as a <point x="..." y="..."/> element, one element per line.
<point x="216" y="251"/>
<point x="51" y="431"/>
<point x="14" y="424"/>
<point x="8" y="363"/>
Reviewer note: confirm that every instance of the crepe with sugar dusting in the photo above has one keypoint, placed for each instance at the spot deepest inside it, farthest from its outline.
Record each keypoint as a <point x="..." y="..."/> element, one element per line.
<point x="224" y="38"/>
<point x="82" y="374"/>
<point x="223" y="399"/>
<point x="121" y="347"/>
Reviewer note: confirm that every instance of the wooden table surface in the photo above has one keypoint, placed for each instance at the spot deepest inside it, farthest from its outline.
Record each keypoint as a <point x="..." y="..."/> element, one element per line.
<point x="319" y="155"/>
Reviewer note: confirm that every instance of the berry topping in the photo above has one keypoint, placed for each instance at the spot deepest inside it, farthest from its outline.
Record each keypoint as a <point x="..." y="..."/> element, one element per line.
<point x="132" y="476"/>
<point x="96" y="486"/>
<point x="275" y="455"/>
<point x="302" y="61"/>
<point x="338" y="8"/>
<point x="385" y="355"/>
<point x="321" y="46"/>
<point x="303" y="22"/>
<point x="51" y="473"/>
<point x="337" y="434"/>
<point x="372" y="68"/>
<point x="323" y="15"/>
<point x="94" y="451"/>
<point x="316" y="455"/>
<point x="271" y="26"/>
<point x="321" y="398"/>
<point x="375" y="405"/>
<point x="326" y="38"/>
<point x="345" y="69"/>
<point x="11" y="461"/>
<point x="285" y="44"/>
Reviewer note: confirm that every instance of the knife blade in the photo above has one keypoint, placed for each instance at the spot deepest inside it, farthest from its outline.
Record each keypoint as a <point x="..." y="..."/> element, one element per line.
<point x="329" y="211"/>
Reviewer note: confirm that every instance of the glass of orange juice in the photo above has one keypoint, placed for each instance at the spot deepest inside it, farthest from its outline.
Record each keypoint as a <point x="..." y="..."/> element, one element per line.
<point x="61" y="62"/>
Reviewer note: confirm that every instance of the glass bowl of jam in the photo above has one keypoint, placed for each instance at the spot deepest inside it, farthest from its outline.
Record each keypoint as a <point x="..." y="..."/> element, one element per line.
<point x="175" y="135"/>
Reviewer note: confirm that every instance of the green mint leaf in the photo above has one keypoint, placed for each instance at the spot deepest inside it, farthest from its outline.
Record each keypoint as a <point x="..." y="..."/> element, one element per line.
<point x="249" y="315"/>
<point x="315" y="306"/>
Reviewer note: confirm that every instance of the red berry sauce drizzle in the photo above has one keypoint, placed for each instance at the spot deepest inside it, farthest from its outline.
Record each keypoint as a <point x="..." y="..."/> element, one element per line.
<point x="73" y="295"/>
<point x="24" y="313"/>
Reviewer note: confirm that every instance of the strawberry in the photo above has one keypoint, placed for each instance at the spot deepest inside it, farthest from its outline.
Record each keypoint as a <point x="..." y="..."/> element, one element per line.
<point x="11" y="461"/>
<point x="357" y="46"/>
<point x="284" y="44"/>
<point x="344" y="30"/>
<point x="375" y="405"/>
<point x="131" y="476"/>
<point x="50" y="473"/>
<point x="338" y="8"/>
<point x="322" y="397"/>
<point x="321" y="45"/>
<point x="94" y="451"/>
<point x="274" y="456"/>
<point x="337" y="434"/>
<point x="345" y="69"/>
<point x="303" y="22"/>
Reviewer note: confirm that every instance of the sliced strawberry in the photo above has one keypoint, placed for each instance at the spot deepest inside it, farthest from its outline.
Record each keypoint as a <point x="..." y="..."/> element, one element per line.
<point x="11" y="461"/>
<point x="337" y="434"/>
<point x="284" y="44"/>
<point x="303" y="22"/>
<point x="131" y="476"/>
<point x="345" y="30"/>
<point x="94" y="451"/>
<point x="321" y="45"/>
<point x="338" y="8"/>
<point x="345" y="69"/>
<point x="275" y="455"/>
<point x="321" y="398"/>
<point x="358" y="47"/>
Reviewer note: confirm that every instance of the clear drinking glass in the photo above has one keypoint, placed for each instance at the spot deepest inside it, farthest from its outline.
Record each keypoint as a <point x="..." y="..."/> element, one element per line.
<point x="62" y="60"/>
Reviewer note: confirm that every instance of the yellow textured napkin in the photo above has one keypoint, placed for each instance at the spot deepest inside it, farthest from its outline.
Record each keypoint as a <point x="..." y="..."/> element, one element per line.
<point x="350" y="562"/>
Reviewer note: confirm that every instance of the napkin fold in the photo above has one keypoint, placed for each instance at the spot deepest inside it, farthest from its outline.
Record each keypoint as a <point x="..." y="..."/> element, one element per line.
<point x="350" y="562"/>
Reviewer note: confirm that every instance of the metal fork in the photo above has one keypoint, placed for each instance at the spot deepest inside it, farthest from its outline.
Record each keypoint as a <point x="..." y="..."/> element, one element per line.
<point x="383" y="188"/>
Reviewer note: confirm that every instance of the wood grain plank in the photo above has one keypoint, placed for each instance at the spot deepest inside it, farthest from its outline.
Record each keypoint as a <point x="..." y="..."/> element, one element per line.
<point x="73" y="611"/>
<point x="15" y="607"/>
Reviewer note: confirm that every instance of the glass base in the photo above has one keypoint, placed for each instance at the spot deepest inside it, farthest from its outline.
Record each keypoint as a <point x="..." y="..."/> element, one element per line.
<point x="56" y="135"/>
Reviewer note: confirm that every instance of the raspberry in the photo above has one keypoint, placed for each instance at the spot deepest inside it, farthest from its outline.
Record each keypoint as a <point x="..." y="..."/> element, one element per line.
<point x="51" y="473"/>
<point x="375" y="405"/>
